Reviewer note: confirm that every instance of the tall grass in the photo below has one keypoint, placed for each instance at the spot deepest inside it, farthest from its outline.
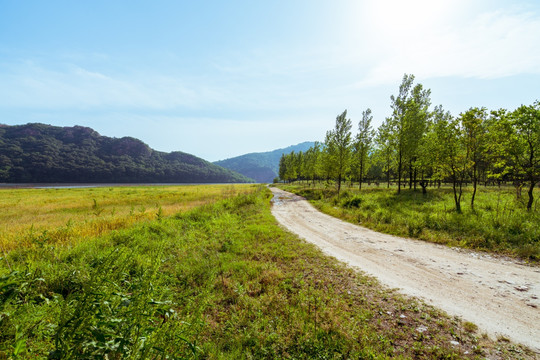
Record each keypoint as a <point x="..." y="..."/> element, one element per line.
<point x="35" y="217"/>
<point x="499" y="222"/>
<point x="221" y="281"/>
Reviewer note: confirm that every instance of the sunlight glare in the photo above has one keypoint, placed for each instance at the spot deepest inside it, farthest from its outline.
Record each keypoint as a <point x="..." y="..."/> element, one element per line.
<point x="398" y="20"/>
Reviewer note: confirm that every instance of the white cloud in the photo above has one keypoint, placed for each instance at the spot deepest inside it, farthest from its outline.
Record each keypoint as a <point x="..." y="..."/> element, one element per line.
<point x="433" y="39"/>
<point x="30" y="85"/>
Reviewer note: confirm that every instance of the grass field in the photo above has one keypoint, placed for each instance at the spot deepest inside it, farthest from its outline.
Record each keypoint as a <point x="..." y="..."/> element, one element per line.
<point x="218" y="281"/>
<point x="30" y="217"/>
<point x="499" y="223"/>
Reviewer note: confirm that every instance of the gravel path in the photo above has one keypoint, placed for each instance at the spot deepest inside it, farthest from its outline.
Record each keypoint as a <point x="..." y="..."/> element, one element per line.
<point x="501" y="296"/>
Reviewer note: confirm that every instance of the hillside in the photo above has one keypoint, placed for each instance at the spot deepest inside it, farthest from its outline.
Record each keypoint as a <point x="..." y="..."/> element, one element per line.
<point x="263" y="166"/>
<point x="43" y="153"/>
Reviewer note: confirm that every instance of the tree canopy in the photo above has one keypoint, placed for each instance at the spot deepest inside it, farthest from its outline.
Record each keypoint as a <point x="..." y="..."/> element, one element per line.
<point x="429" y="146"/>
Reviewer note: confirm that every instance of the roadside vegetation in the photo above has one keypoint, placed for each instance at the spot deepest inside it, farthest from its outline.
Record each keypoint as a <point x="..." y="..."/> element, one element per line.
<point x="498" y="224"/>
<point x="218" y="281"/>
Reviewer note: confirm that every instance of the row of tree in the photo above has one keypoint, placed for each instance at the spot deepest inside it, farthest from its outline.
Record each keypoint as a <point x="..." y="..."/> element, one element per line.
<point x="418" y="145"/>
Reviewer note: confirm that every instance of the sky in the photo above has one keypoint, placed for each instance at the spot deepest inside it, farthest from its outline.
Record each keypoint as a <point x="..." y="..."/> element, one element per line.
<point x="219" y="79"/>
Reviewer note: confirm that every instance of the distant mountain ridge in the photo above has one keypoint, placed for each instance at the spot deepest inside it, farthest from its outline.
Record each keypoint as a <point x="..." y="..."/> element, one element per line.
<point x="39" y="153"/>
<point x="263" y="167"/>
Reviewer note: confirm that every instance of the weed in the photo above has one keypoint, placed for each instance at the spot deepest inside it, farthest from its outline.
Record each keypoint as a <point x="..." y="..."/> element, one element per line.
<point x="470" y="327"/>
<point x="96" y="209"/>
<point x="159" y="214"/>
<point x="353" y="202"/>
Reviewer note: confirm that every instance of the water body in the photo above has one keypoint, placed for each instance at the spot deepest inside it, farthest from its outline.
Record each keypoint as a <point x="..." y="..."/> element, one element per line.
<point x="96" y="185"/>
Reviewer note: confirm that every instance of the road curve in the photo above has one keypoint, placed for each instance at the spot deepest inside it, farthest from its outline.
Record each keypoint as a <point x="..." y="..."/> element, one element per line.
<point x="501" y="296"/>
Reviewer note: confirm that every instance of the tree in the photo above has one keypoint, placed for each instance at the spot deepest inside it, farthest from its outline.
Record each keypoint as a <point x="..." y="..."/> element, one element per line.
<point x="385" y="147"/>
<point x="299" y="165"/>
<point x="408" y="123"/>
<point x="282" y="167"/>
<point x="514" y="147"/>
<point x="362" y="144"/>
<point x="473" y="124"/>
<point x="398" y="122"/>
<point x="450" y="151"/>
<point x="288" y="169"/>
<point x="498" y="129"/>
<point x="426" y="162"/>
<point x="416" y="122"/>
<point x="525" y="143"/>
<point x="312" y="158"/>
<point x="338" y="148"/>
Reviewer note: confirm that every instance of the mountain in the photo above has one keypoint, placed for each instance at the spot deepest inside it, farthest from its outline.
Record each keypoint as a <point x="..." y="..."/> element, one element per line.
<point x="264" y="166"/>
<point x="38" y="153"/>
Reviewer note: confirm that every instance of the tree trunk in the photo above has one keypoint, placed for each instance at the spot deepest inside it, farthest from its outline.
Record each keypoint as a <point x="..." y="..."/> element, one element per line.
<point x="475" y="181"/>
<point x="460" y="193"/>
<point x="530" y="192"/>
<point x="339" y="184"/>
<point x="361" y="173"/>
<point x="410" y="174"/>
<point x="473" y="194"/>
<point x="457" y="199"/>
<point x="518" y="185"/>
<point x="424" y="184"/>
<point x="399" y="173"/>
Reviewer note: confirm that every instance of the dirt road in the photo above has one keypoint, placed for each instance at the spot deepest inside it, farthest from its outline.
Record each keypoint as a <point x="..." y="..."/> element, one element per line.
<point x="501" y="296"/>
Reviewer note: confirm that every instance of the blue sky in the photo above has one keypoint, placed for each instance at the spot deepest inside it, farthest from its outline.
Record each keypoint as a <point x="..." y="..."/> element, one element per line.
<point x="222" y="78"/>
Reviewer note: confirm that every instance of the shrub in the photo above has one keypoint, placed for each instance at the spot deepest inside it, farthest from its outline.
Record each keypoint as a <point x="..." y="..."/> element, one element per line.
<point x="353" y="202"/>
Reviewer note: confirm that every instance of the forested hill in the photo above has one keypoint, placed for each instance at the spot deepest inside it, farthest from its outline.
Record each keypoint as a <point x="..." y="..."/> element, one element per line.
<point x="264" y="166"/>
<point x="38" y="153"/>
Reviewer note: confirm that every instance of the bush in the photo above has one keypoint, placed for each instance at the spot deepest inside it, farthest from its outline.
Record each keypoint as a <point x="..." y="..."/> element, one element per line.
<point x="353" y="202"/>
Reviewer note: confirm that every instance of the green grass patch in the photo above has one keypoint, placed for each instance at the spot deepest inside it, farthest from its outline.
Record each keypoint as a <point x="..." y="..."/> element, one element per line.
<point x="221" y="281"/>
<point x="499" y="223"/>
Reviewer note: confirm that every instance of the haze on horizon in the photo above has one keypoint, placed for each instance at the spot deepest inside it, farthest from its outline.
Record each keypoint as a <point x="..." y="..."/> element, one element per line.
<point x="220" y="79"/>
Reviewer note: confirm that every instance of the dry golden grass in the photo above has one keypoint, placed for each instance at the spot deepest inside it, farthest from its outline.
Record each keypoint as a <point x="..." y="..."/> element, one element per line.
<point x="36" y="217"/>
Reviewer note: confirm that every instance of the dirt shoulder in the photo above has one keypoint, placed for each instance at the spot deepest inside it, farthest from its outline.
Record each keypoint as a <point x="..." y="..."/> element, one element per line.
<point x="501" y="296"/>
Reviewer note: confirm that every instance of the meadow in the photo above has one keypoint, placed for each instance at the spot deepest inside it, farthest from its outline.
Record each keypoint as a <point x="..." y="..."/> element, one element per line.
<point x="210" y="276"/>
<point x="30" y="217"/>
<point x="499" y="222"/>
